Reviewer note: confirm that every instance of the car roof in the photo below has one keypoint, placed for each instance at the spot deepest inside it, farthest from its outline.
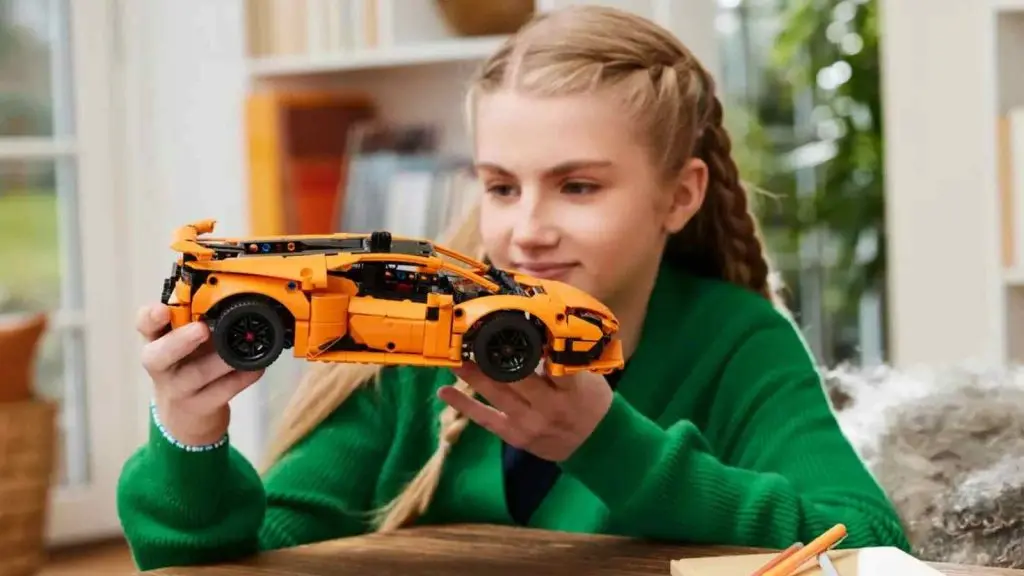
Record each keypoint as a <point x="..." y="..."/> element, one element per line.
<point x="355" y="245"/>
<point x="189" y="240"/>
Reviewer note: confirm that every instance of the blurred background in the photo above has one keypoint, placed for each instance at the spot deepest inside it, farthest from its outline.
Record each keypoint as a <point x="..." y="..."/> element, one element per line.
<point x="888" y="167"/>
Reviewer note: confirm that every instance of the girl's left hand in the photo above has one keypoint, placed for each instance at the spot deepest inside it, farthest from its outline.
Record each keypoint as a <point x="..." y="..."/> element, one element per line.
<point x="543" y="415"/>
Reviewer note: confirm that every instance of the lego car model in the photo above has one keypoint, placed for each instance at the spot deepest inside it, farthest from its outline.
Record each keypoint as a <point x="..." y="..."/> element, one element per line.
<point x="374" y="298"/>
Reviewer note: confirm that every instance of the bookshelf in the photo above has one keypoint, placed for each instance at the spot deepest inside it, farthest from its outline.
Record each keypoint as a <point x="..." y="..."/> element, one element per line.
<point x="409" y="57"/>
<point x="422" y="53"/>
<point x="954" y="100"/>
<point x="405" y="53"/>
<point x="304" y="37"/>
<point x="322" y="33"/>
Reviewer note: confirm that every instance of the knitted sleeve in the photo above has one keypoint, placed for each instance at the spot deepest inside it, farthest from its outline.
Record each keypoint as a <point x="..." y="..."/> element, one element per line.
<point x="778" y="471"/>
<point x="180" y="507"/>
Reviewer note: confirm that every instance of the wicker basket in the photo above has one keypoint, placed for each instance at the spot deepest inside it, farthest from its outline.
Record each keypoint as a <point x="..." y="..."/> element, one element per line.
<point x="476" y="18"/>
<point x="28" y="449"/>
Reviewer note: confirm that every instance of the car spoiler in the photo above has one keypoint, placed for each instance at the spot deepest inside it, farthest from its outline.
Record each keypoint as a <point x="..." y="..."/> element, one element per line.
<point x="185" y="238"/>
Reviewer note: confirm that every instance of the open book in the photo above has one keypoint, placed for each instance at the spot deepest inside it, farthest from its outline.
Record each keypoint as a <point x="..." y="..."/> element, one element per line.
<point x="880" y="561"/>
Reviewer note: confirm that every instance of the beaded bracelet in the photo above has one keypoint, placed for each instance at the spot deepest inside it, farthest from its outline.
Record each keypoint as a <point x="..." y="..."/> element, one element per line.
<point x="186" y="447"/>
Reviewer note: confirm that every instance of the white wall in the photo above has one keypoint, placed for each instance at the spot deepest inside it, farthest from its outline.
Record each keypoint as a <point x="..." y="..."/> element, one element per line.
<point x="939" y="99"/>
<point x="185" y="82"/>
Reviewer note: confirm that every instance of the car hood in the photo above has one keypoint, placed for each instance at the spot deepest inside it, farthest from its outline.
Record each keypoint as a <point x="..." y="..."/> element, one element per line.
<point x="569" y="295"/>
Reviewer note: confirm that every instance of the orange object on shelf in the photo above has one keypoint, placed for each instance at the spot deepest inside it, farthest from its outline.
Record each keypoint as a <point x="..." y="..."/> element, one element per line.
<point x="297" y="143"/>
<point x="1004" y="160"/>
<point x="316" y="187"/>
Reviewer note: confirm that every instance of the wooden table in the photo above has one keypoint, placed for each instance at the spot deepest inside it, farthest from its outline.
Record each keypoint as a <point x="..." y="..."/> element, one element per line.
<point x="484" y="550"/>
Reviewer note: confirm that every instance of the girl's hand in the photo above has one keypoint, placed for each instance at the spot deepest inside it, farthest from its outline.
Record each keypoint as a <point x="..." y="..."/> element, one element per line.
<point x="546" y="416"/>
<point x="192" y="384"/>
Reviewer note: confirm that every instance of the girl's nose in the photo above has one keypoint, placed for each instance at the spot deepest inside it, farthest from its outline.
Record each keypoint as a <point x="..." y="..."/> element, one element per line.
<point x="530" y="233"/>
<point x="534" y="226"/>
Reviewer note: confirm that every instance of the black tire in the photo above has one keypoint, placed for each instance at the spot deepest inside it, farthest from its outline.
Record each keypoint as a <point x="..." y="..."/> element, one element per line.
<point x="249" y="334"/>
<point x="508" y="347"/>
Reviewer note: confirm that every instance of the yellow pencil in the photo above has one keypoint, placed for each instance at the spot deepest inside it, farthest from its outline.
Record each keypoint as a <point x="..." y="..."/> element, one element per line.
<point x="819" y="545"/>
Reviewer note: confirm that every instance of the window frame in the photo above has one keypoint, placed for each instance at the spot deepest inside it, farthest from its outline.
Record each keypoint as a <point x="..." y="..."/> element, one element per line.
<point x="87" y="510"/>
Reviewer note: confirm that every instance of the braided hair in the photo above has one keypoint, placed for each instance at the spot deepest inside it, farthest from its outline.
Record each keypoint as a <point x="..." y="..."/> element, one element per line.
<point x="672" y="99"/>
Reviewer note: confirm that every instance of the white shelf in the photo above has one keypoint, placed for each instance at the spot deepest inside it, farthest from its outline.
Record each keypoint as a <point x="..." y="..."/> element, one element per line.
<point x="434" y="52"/>
<point x="1015" y="277"/>
<point x="1009" y="5"/>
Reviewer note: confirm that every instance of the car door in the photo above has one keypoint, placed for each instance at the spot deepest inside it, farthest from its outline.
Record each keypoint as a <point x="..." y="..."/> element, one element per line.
<point x="390" y="309"/>
<point x="437" y="328"/>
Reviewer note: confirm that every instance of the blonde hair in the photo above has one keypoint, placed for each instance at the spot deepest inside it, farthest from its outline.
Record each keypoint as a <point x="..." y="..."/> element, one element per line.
<point x="672" y="99"/>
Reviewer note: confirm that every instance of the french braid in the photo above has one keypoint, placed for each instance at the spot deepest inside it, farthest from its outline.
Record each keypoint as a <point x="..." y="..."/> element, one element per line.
<point x="417" y="495"/>
<point x="723" y="240"/>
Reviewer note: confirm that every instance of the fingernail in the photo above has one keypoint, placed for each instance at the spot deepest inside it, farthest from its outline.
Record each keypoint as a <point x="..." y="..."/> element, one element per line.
<point x="156" y="313"/>
<point x="197" y="330"/>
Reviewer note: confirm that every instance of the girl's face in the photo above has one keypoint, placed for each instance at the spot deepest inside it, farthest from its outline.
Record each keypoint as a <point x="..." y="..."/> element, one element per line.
<point x="572" y="194"/>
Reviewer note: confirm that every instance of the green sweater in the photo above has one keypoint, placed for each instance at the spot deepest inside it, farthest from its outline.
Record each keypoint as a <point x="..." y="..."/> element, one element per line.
<point x="719" y="432"/>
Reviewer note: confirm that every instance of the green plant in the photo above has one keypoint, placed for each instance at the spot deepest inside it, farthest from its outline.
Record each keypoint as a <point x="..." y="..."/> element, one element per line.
<point x="823" y="55"/>
<point x="830" y="47"/>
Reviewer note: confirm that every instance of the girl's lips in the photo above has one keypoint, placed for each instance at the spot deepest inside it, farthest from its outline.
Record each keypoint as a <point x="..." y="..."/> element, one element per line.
<point x="545" y="270"/>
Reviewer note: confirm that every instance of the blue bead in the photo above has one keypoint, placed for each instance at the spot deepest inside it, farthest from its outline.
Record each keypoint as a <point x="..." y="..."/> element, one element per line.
<point x="177" y="443"/>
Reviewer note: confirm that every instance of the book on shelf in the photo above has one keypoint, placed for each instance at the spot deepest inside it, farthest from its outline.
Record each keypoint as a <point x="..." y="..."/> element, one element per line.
<point x="1010" y="153"/>
<point x="398" y="181"/>
<point x="297" y="148"/>
<point x="309" y="27"/>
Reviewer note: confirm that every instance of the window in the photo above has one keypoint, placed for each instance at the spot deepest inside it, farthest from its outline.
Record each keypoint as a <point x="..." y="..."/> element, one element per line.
<point x="801" y="83"/>
<point x="391" y="280"/>
<point x="56" y="244"/>
<point x="464" y="287"/>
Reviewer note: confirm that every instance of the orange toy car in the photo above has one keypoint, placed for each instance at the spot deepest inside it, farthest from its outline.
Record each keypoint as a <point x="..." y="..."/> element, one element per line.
<point x="371" y="298"/>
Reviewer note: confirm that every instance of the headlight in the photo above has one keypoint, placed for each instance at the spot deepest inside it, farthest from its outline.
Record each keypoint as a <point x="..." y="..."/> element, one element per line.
<point x="607" y="325"/>
<point x="587" y="315"/>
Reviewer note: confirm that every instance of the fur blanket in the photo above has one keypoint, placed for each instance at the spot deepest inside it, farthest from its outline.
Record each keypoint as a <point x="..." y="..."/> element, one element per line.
<point x="947" y="445"/>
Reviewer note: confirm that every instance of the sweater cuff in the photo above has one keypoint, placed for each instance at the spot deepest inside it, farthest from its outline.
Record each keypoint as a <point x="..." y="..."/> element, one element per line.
<point x="619" y="455"/>
<point x="193" y="472"/>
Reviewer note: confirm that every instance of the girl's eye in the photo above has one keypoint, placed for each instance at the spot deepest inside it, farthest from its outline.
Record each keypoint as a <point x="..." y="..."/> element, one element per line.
<point x="501" y="189"/>
<point x="579" y="187"/>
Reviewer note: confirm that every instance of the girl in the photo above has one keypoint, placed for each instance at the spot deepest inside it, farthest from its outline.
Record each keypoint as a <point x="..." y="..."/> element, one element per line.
<point x="599" y="141"/>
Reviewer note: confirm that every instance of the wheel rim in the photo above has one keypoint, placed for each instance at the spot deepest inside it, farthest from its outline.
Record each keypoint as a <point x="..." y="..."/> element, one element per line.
<point x="508" y="350"/>
<point x="250" y="337"/>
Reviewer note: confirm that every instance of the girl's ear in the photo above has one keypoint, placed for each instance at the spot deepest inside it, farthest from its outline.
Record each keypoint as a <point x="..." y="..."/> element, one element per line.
<point x="687" y="195"/>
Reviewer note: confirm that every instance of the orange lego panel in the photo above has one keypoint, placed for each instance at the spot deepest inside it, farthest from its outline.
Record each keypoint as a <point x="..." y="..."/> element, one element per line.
<point x="374" y="298"/>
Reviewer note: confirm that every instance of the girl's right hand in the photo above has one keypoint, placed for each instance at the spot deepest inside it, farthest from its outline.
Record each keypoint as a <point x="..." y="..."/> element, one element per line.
<point x="193" y="385"/>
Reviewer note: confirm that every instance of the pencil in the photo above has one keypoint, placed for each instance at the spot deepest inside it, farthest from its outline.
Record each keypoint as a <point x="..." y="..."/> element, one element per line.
<point x="817" y="546"/>
<point x="778" y="558"/>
